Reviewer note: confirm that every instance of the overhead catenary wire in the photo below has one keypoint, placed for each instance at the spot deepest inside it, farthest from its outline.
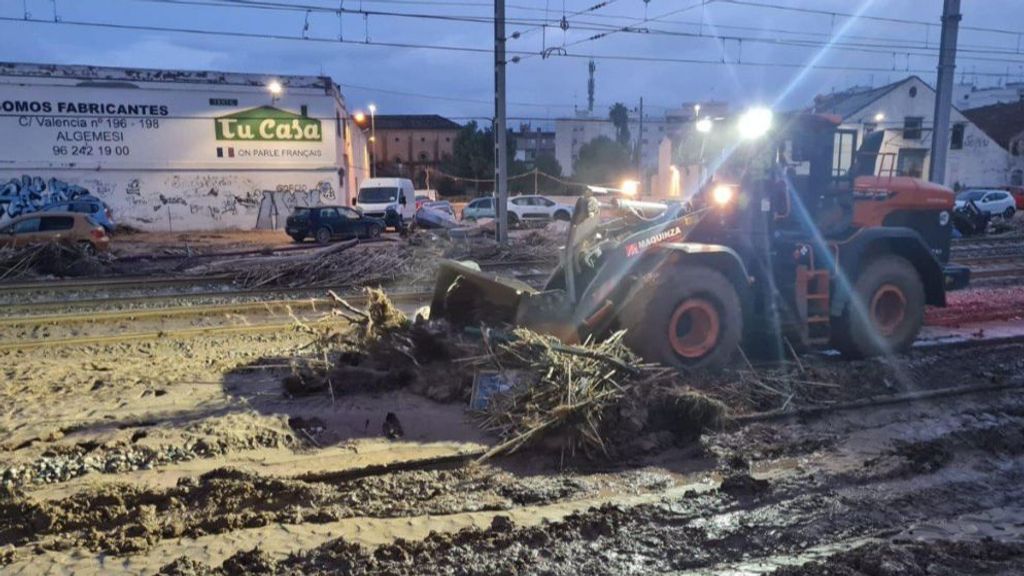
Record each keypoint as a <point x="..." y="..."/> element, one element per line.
<point x="603" y="31"/>
<point x="477" y="50"/>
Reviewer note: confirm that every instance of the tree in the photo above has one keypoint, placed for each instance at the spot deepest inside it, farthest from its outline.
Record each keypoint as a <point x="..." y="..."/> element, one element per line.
<point x="602" y="161"/>
<point x="473" y="155"/>
<point x="619" y="115"/>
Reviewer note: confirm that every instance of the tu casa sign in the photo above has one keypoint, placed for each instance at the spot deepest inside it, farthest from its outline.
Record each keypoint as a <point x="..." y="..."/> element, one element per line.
<point x="267" y="123"/>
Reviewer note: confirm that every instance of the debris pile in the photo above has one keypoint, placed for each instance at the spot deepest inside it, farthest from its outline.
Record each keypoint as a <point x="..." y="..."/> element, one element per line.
<point x="569" y="396"/>
<point x="376" y="349"/>
<point x="594" y="398"/>
<point x="338" y="266"/>
<point x="534" y="245"/>
<point x="52" y="259"/>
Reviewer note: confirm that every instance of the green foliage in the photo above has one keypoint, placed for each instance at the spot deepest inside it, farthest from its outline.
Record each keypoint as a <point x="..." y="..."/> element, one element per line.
<point x="473" y="157"/>
<point x="602" y="161"/>
<point x="619" y="115"/>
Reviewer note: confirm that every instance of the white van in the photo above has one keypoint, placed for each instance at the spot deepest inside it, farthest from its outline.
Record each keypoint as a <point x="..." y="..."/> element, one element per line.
<point x="377" y="195"/>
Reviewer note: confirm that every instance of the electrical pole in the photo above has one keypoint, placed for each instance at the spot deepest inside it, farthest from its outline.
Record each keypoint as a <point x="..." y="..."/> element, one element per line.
<point x="640" y="145"/>
<point x="500" y="130"/>
<point x="944" y="90"/>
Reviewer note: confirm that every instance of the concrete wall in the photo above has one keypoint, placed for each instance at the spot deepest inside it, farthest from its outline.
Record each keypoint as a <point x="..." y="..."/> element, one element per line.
<point x="175" y="200"/>
<point x="185" y="150"/>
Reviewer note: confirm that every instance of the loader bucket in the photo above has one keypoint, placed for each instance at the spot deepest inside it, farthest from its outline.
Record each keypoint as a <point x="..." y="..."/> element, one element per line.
<point x="465" y="296"/>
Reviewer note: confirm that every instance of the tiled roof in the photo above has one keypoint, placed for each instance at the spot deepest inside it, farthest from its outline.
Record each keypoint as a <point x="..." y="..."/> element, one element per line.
<point x="1002" y="122"/>
<point x="845" y="104"/>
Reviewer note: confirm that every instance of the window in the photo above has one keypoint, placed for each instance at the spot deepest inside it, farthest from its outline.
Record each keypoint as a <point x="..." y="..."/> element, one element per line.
<point x="27" y="226"/>
<point x="486" y="203"/>
<point x="521" y="201"/>
<point x="56" y="223"/>
<point x="545" y="202"/>
<point x="328" y="213"/>
<point x="912" y="127"/>
<point x="1017" y="147"/>
<point x="423" y="156"/>
<point x="423" y="139"/>
<point x="337" y="122"/>
<point x="349" y="213"/>
<point x="956" y="140"/>
<point x="84" y="208"/>
<point x="913" y="91"/>
<point x="397" y="139"/>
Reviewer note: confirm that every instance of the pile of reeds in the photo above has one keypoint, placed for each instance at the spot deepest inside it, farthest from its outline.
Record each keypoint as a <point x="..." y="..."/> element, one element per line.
<point x="343" y="266"/>
<point x="570" y="395"/>
<point x="51" y="259"/>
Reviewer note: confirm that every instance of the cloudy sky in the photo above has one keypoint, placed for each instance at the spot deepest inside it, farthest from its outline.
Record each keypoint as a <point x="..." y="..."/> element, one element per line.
<point x="666" y="51"/>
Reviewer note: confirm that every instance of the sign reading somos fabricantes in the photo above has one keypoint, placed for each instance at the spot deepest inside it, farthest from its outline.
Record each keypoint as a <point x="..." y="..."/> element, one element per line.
<point x="61" y="126"/>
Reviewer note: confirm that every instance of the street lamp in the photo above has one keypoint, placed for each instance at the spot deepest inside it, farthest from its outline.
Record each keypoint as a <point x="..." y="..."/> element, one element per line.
<point x="373" y="139"/>
<point x="275" y="89"/>
<point x="359" y="117"/>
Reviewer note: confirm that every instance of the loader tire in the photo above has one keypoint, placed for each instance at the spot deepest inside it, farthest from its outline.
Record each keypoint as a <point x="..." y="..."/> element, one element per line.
<point x="690" y="317"/>
<point x="885" y="311"/>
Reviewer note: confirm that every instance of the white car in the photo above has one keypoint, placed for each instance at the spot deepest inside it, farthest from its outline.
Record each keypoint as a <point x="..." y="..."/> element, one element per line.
<point x="992" y="202"/>
<point x="533" y="208"/>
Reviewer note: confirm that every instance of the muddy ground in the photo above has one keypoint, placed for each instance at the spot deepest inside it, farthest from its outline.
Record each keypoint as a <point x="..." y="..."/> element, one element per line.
<point x="187" y="457"/>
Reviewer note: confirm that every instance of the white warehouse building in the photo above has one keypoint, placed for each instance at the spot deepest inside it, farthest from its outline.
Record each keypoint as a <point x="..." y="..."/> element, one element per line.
<point x="175" y="150"/>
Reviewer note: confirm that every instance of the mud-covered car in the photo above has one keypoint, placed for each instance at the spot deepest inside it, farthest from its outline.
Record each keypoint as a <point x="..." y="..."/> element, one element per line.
<point x="70" y="228"/>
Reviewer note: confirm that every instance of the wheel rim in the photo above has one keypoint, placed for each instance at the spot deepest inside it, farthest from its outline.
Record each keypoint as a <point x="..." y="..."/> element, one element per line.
<point x="888" y="308"/>
<point x="694" y="328"/>
<point x="323" y="236"/>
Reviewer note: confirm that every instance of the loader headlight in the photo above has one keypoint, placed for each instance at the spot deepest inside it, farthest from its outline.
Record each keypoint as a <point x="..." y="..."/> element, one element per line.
<point x="722" y="194"/>
<point x="755" y="123"/>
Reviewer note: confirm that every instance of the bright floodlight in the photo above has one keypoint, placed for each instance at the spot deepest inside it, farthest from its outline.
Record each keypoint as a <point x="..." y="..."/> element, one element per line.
<point x="630" y="187"/>
<point x="373" y="108"/>
<point x="360" y="117"/>
<point x="755" y="123"/>
<point x="722" y="194"/>
<point x="275" y="88"/>
<point x="704" y="125"/>
<point x="879" y="117"/>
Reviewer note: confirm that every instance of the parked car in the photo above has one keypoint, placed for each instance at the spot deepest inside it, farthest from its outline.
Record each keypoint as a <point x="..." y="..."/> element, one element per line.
<point x="1018" y="195"/>
<point x="325" y="223"/>
<point x="94" y="207"/>
<point x="70" y="228"/>
<point x="991" y="202"/>
<point x="521" y="209"/>
<point x="530" y="207"/>
<point x="479" y="208"/>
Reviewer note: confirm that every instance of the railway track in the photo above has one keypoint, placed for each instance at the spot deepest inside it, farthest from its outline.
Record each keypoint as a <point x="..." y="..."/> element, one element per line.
<point x="225" y="311"/>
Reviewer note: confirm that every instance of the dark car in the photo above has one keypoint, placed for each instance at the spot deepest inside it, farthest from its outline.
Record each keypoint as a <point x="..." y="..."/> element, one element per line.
<point x="325" y="223"/>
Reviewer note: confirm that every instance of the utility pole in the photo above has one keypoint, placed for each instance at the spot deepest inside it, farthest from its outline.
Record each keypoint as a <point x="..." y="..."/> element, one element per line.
<point x="944" y="90"/>
<point x="640" y="144"/>
<point x="500" y="130"/>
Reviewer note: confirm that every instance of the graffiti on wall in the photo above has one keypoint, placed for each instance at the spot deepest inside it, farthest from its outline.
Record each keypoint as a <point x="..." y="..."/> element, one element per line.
<point x="29" y="194"/>
<point x="179" y="201"/>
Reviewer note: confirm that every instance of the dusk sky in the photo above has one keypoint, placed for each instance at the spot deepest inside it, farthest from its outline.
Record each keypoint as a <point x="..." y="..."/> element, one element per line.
<point x="873" y="50"/>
